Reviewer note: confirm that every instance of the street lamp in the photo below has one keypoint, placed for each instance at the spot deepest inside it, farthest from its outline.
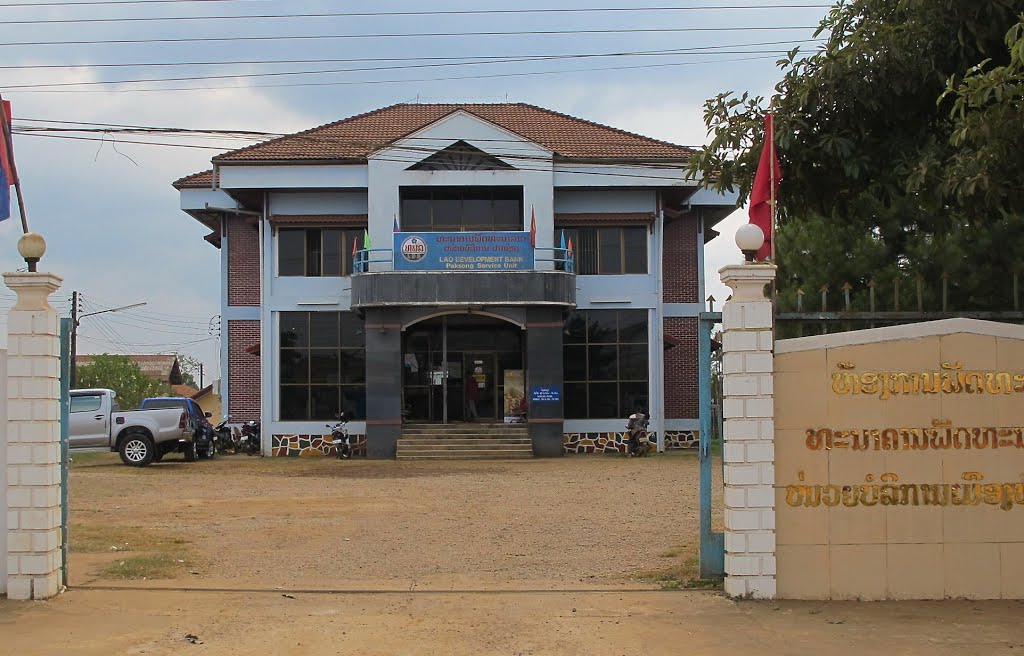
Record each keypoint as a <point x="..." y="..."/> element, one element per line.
<point x="77" y="319"/>
<point x="750" y="239"/>
<point x="31" y="247"/>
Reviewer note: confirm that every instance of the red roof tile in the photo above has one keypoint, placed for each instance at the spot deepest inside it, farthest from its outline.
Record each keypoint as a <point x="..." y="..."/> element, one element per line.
<point x="204" y="179"/>
<point x="353" y="139"/>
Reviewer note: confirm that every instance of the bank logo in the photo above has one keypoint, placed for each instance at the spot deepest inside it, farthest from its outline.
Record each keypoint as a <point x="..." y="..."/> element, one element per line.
<point x="414" y="249"/>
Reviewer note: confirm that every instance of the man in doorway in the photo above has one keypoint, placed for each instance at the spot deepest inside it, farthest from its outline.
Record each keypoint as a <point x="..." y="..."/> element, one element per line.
<point x="472" y="394"/>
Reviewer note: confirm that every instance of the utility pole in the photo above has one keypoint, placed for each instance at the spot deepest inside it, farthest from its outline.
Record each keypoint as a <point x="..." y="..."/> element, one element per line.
<point x="74" y="337"/>
<point x="76" y="318"/>
<point x="201" y="386"/>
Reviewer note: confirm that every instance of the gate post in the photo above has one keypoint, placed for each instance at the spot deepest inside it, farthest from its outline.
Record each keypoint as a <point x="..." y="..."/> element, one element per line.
<point x="33" y="439"/>
<point x="749" y="440"/>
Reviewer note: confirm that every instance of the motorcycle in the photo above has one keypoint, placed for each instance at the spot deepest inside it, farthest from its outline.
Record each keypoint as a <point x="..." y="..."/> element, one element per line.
<point x="339" y="437"/>
<point x="639" y="445"/>
<point x="224" y="438"/>
<point x="250" y="439"/>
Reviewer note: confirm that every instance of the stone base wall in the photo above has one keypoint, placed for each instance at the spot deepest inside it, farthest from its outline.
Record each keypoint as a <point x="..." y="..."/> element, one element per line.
<point x="295" y="446"/>
<point x="615" y="442"/>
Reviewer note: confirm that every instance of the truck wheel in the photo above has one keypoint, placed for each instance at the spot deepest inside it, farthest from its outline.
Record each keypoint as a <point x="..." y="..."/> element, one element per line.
<point x="190" y="451"/>
<point x="137" y="450"/>
<point x="207" y="452"/>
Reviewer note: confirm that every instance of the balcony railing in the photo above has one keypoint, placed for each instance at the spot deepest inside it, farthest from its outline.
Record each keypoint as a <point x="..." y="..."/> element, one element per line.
<point x="383" y="259"/>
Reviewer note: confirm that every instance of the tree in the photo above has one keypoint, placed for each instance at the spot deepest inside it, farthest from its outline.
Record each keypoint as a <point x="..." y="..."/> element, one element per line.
<point x="190" y="368"/>
<point x="119" y="373"/>
<point x="882" y="139"/>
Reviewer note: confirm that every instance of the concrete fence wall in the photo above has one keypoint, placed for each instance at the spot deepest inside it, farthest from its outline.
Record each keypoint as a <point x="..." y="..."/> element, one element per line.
<point x="876" y="464"/>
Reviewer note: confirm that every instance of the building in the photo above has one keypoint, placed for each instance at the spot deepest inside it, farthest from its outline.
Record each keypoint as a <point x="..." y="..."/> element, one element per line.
<point x="161" y="368"/>
<point x="458" y="222"/>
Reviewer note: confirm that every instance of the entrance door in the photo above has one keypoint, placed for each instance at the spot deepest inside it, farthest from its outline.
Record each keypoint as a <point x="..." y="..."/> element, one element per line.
<point x="480" y="386"/>
<point x="443" y="357"/>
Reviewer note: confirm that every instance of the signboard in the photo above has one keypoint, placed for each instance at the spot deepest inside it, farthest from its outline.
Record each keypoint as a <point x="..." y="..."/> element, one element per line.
<point x="545" y="394"/>
<point x="463" y="251"/>
<point x="514" y="406"/>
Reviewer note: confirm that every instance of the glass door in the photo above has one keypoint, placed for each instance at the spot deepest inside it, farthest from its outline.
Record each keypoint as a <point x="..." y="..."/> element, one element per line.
<point x="480" y="387"/>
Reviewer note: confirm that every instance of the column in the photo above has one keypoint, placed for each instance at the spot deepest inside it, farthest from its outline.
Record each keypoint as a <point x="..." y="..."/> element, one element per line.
<point x="749" y="444"/>
<point x="33" y="439"/>
<point x="544" y="328"/>
<point x="383" y="383"/>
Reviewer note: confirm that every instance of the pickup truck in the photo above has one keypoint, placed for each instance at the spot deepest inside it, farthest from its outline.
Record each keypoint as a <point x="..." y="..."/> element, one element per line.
<point x="140" y="436"/>
<point x="203" y="444"/>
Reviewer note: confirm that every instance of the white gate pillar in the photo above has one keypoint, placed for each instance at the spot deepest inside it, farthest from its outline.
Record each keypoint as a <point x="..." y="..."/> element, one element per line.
<point x="749" y="442"/>
<point x="33" y="439"/>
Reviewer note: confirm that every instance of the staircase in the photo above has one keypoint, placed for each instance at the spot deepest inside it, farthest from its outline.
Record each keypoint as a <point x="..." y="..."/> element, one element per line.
<point x="464" y="442"/>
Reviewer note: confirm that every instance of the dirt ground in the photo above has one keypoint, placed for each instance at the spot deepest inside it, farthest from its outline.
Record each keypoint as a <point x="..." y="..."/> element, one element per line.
<point x="581" y="555"/>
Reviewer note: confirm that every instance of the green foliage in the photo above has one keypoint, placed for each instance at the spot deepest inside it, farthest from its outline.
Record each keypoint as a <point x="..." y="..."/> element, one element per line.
<point x="899" y="142"/>
<point x="189" y="370"/>
<point x="119" y="373"/>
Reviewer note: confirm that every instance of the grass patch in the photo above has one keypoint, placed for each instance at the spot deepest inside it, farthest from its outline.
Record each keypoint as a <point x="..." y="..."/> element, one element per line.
<point x="681" y="575"/>
<point x="139" y="553"/>
<point x="152" y="566"/>
<point x="80" y="459"/>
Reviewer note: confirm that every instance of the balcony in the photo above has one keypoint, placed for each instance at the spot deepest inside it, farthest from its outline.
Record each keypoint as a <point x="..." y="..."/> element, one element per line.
<point x="543" y="276"/>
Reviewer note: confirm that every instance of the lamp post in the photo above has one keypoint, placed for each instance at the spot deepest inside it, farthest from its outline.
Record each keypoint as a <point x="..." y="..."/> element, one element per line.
<point x="76" y="320"/>
<point x="31" y="247"/>
<point x="750" y="239"/>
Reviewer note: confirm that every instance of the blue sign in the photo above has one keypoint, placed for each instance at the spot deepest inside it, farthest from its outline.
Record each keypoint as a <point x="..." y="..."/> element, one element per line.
<point x="463" y="251"/>
<point x="545" y="394"/>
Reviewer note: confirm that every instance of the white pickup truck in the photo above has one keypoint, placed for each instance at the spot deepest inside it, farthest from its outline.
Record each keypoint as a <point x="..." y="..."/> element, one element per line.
<point x="140" y="436"/>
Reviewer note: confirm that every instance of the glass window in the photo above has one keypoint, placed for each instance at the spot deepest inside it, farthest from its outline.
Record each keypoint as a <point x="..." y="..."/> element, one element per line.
<point x="314" y="253"/>
<point x="291" y="251"/>
<point x="86" y="403"/>
<point x="605" y="363"/>
<point x="607" y="250"/>
<point x="322" y="365"/>
<point x="457" y="209"/>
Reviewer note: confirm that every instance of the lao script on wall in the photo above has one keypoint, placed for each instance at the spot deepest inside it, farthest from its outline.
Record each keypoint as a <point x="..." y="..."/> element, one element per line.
<point x="900" y="466"/>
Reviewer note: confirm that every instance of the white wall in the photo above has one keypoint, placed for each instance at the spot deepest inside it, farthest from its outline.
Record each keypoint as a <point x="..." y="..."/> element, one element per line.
<point x="3" y="474"/>
<point x="324" y="202"/>
<point x="582" y="202"/>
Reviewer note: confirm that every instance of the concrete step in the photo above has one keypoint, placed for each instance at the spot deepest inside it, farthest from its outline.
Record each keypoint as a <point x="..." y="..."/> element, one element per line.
<point x="465" y="428"/>
<point x="468" y="455"/>
<point x="486" y="446"/>
<point x="463" y="441"/>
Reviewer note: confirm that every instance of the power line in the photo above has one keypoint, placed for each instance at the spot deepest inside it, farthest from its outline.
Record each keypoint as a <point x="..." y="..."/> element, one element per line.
<point x="416" y="35"/>
<point x="406" y="81"/>
<point x="238" y="76"/>
<point x="360" y="60"/>
<point x="451" y="12"/>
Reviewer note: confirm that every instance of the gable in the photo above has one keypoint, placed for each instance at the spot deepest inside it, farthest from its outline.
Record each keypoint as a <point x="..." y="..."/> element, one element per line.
<point x="461" y="156"/>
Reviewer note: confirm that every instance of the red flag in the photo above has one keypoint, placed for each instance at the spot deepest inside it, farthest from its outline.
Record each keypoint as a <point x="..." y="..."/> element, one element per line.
<point x="6" y="170"/>
<point x="765" y="190"/>
<point x="533" y="228"/>
<point x="355" y="246"/>
<point x="5" y="157"/>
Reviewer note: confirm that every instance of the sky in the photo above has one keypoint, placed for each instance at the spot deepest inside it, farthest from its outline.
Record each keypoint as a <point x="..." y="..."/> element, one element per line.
<point x="106" y="207"/>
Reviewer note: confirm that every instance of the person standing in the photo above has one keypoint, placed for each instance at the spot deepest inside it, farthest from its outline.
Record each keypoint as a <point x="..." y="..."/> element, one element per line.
<point x="472" y="394"/>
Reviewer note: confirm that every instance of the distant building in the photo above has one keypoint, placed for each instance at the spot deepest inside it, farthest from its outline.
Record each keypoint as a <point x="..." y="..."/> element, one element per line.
<point x="412" y="263"/>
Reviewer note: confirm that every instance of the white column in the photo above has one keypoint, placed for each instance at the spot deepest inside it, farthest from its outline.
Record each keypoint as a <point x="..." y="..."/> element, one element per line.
<point x="33" y="439"/>
<point x="749" y="444"/>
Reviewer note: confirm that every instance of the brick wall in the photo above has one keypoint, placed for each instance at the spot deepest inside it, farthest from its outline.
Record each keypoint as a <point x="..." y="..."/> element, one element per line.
<point x="243" y="371"/>
<point x="243" y="262"/>
<point x="681" y="381"/>
<point x="680" y="260"/>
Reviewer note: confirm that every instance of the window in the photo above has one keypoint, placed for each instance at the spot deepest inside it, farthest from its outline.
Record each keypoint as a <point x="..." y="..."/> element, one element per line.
<point x="607" y="250"/>
<point x="316" y="252"/>
<point x="90" y="403"/>
<point x="605" y="363"/>
<point x="461" y="209"/>
<point x="323" y="365"/>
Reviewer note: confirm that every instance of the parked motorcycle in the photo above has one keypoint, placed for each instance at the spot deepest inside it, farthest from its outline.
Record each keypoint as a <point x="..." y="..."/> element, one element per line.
<point x="639" y="444"/>
<point x="251" y="444"/>
<point x="340" y="438"/>
<point x="225" y="439"/>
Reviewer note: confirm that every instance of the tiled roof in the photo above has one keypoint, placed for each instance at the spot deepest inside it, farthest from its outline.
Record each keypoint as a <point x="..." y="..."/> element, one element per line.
<point x="353" y="220"/>
<point x="359" y="136"/>
<point x="204" y="179"/>
<point x="612" y="218"/>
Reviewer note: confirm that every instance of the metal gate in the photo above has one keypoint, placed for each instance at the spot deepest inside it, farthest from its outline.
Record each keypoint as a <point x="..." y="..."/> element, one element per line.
<point x="712" y="543"/>
<point x="65" y="460"/>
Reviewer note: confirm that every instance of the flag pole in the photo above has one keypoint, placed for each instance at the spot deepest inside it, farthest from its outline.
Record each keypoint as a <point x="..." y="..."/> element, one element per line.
<point x="5" y="122"/>
<point x="771" y="167"/>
